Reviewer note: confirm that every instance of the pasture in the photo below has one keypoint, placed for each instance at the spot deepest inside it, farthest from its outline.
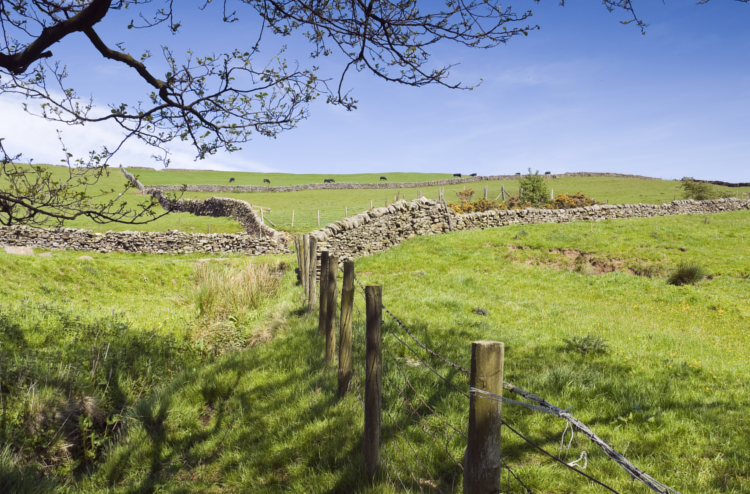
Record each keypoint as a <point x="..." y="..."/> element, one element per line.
<point x="333" y="205"/>
<point x="666" y="383"/>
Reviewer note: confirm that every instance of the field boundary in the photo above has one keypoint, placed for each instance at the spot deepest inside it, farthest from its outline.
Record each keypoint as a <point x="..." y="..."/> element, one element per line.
<point x="380" y="229"/>
<point x="382" y="185"/>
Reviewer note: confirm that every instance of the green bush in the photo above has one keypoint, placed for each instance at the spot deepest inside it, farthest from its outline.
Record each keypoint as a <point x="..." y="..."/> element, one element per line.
<point x="686" y="274"/>
<point x="701" y="191"/>
<point x="533" y="189"/>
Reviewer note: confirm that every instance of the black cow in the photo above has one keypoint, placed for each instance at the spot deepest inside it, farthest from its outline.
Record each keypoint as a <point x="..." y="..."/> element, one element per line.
<point x="231" y="180"/>
<point x="266" y="181"/>
<point x="329" y="181"/>
<point x="473" y="175"/>
<point x="517" y="173"/>
<point x="548" y="173"/>
<point x="383" y="178"/>
<point x="457" y="175"/>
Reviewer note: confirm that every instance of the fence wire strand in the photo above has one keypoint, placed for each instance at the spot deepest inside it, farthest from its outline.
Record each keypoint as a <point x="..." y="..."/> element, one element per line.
<point x="541" y="405"/>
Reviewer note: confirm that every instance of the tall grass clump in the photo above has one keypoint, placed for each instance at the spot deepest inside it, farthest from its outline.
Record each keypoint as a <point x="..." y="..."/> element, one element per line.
<point x="686" y="274"/>
<point x="66" y="381"/>
<point x="227" y="298"/>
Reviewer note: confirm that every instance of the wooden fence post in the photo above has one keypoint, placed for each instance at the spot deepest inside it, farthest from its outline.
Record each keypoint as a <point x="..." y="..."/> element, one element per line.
<point x="330" y="327"/>
<point x="485" y="192"/>
<point x="300" y="261"/>
<point x="292" y="217"/>
<point x="323" y="304"/>
<point x="345" y="329"/>
<point x="306" y="259"/>
<point x="312" y="266"/>
<point x="373" y="378"/>
<point x="482" y="459"/>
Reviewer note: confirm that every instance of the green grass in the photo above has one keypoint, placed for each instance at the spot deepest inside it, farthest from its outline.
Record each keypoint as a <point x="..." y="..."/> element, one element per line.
<point x="333" y="205"/>
<point x="663" y="377"/>
<point x="277" y="179"/>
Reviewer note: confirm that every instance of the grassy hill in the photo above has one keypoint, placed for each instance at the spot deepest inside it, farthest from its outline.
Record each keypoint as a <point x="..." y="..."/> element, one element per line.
<point x="658" y="371"/>
<point x="332" y="205"/>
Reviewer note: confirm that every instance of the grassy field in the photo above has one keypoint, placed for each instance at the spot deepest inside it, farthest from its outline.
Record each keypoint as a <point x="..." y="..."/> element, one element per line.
<point x="333" y="205"/>
<point x="668" y="388"/>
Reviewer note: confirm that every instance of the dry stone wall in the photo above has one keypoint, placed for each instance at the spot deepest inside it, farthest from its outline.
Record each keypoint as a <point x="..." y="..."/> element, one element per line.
<point x="217" y="207"/>
<point x="150" y="189"/>
<point x="382" y="228"/>
<point x="171" y="242"/>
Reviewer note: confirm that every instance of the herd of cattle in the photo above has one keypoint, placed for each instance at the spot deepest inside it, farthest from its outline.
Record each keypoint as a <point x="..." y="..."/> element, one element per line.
<point x="332" y="181"/>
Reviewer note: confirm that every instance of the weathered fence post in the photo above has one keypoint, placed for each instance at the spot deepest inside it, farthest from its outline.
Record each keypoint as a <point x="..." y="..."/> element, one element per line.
<point x="345" y="329"/>
<point x="482" y="459"/>
<point x="312" y="266"/>
<point x="502" y="191"/>
<point x="373" y="378"/>
<point x="330" y="327"/>
<point x="292" y="217"/>
<point x="300" y="261"/>
<point x="303" y="264"/>
<point x="485" y="192"/>
<point x="323" y="304"/>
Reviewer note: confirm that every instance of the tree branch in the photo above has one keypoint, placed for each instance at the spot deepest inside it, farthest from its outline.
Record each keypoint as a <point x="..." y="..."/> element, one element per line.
<point x="18" y="63"/>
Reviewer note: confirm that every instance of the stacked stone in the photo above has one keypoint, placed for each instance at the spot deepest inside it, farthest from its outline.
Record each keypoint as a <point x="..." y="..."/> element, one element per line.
<point x="380" y="229"/>
<point x="171" y="242"/>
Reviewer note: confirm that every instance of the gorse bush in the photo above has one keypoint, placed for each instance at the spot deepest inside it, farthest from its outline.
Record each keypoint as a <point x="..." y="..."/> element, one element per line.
<point x="686" y="274"/>
<point x="562" y="201"/>
<point x="577" y="200"/>
<point x="465" y="195"/>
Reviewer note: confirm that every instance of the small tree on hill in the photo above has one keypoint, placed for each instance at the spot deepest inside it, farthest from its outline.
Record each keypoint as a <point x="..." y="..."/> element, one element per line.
<point x="533" y="189"/>
<point x="701" y="191"/>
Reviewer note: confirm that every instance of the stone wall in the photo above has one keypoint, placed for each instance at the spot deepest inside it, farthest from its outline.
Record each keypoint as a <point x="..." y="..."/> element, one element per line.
<point x="382" y="228"/>
<point x="171" y="242"/>
<point x="382" y="185"/>
<point x="217" y="207"/>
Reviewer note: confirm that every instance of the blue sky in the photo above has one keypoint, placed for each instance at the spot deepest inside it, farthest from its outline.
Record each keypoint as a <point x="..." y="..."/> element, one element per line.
<point x="584" y="93"/>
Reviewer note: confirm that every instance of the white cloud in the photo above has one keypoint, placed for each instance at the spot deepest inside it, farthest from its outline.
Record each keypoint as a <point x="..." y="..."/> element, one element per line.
<point x="37" y="140"/>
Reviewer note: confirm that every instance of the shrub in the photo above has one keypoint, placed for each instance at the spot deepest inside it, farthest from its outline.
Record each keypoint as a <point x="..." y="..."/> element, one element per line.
<point x="465" y="195"/>
<point x="533" y="189"/>
<point x="701" y="191"/>
<point x="686" y="274"/>
<point x="577" y="200"/>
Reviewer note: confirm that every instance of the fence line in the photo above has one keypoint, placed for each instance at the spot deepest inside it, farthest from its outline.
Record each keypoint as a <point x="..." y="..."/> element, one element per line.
<point x="396" y="396"/>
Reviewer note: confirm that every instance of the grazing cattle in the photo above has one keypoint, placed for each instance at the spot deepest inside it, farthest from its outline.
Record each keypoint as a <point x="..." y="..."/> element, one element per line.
<point x="473" y="175"/>
<point x="517" y="173"/>
<point x="231" y="180"/>
<point x="457" y="175"/>
<point x="383" y="178"/>
<point x="548" y="173"/>
<point x="266" y="181"/>
<point x="329" y="181"/>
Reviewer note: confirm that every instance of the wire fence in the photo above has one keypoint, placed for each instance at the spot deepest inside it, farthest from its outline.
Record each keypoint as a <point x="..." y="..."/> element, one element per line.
<point x="423" y="440"/>
<point x="310" y="218"/>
